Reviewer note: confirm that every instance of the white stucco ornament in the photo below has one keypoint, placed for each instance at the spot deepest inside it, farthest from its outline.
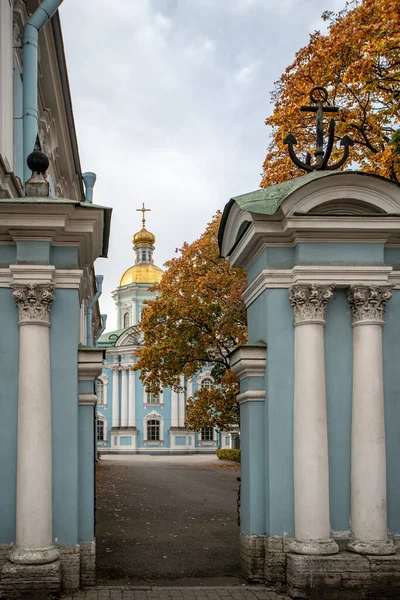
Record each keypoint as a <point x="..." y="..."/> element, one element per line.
<point x="34" y="302"/>
<point x="309" y="302"/>
<point x="368" y="303"/>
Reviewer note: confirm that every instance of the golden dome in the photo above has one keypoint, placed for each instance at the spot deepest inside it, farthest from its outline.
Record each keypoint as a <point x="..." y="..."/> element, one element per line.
<point x="143" y="238"/>
<point x="142" y="273"/>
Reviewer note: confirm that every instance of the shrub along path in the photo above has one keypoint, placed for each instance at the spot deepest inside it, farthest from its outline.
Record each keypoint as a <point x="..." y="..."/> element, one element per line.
<point x="167" y="520"/>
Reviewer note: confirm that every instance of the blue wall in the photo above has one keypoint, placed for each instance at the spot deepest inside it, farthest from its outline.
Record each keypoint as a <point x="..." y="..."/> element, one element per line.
<point x="86" y="473"/>
<point x="391" y="370"/>
<point x="279" y="384"/>
<point x="9" y="348"/>
<point x="339" y="368"/>
<point x="64" y="337"/>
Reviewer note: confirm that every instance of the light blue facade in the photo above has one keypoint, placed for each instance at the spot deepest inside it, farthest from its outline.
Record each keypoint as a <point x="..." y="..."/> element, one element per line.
<point x="288" y="248"/>
<point x="124" y="408"/>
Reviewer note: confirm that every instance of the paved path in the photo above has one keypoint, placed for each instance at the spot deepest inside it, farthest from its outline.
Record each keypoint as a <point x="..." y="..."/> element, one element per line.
<point x="177" y="593"/>
<point x="165" y="520"/>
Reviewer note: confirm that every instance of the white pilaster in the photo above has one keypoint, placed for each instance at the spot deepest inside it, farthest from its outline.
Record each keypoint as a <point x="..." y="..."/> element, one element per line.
<point x="311" y="468"/>
<point x="181" y="404"/>
<point x="368" y="450"/>
<point x="34" y="511"/>
<point x="189" y="388"/>
<point x="105" y="390"/>
<point x="132" y="400"/>
<point x="115" y="397"/>
<point x="124" y="396"/>
<point x="174" y="409"/>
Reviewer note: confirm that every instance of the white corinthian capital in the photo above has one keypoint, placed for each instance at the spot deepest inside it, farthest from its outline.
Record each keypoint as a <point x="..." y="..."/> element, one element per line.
<point x="368" y="303"/>
<point x="33" y="302"/>
<point x="309" y="302"/>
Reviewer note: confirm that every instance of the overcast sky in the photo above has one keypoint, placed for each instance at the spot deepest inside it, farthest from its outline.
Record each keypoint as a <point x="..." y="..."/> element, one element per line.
<point x="170" y="99"/>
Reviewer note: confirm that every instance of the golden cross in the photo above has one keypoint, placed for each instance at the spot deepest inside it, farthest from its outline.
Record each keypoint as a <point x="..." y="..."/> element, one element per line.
<point x="143" y="210"/>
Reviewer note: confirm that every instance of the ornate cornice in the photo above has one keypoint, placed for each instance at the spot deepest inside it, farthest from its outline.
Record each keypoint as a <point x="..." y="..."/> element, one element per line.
<point x="368" y="303"/>
<point x="34" y="303"/>
<point x="309" y="302"/>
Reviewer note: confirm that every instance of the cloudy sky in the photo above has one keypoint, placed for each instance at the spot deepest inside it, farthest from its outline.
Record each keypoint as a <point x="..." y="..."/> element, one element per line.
<point x="170" y="99"/>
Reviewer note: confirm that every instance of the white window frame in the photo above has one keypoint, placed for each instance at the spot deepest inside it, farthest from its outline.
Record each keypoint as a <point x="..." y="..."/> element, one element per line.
<point x="212" y="439"/>
<point x="101" y="418"/>
<point x="153" y="415"/>
<point x="102" y="383"/>
<point x="126" y="314"/>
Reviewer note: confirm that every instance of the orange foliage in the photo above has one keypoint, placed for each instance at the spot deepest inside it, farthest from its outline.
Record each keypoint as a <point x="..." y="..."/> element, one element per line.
<point x="198" y="317"/>
<point x="358" y="61"/>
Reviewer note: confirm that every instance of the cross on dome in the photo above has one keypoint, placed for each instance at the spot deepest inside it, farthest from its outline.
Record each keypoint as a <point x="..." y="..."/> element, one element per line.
<point x="143" y="210"/>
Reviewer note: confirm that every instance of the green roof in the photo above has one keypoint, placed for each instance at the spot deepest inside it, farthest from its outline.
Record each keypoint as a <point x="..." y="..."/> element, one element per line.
<point x="267" y="201"/>
<point x="109" y="338"/>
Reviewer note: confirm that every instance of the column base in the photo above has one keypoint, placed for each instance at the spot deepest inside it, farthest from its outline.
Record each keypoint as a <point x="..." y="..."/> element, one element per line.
<point x="314" y="547"/>
<point x="34" y="556"/>
<point x="376" y="548"/>
<point x="37" y="581"/>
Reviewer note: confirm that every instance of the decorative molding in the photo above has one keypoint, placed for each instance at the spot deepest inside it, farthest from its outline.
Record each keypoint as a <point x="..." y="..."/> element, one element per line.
<point x="251" y="396"/>
<point x="341" y="276"/>
<point x="368" y="303"/>
<point x="34" y="303"/>
<point x="249" y="361"/>
<point x="309" y="302"/>
<point x="90" y="364"/>
<point x="87" y="400"/>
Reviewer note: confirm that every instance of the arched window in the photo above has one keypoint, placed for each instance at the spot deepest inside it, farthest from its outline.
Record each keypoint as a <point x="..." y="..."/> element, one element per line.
<point x="153" y="430"/>
<point x="144" y="256"/>
<point x="126" y="320"/>
<point x="207" y="434"/>
<point x="206" y="383"/>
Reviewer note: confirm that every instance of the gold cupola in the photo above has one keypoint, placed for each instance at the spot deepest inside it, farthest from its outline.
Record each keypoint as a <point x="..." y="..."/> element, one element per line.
<point x="144" y="270"/>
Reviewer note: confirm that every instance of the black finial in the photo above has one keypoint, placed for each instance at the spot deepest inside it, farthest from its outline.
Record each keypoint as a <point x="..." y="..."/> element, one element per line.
<point x="38" y="163"/>
<point x="318" y="96"/>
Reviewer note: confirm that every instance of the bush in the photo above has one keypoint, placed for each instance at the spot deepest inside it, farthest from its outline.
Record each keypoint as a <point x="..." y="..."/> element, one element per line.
<point x="228" y="455"/>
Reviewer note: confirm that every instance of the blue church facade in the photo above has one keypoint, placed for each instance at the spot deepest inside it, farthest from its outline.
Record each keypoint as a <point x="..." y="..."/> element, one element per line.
<point x="130" y="419"/>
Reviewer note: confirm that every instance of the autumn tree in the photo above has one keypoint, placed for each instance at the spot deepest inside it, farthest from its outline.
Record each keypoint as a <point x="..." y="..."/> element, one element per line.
<point x="197" y="318"/>
<point x="358" y="61"/>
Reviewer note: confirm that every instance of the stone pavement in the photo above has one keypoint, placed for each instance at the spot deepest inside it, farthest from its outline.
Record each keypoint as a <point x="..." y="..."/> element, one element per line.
<point x="176" y="593"/>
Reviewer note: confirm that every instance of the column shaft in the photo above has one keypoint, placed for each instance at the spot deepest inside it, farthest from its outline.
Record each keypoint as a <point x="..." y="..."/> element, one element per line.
<point x="368" y="449"/>
<point x="124" y="397"/>
<point x="311" y="465"/>
<point x="132" y="400"/>
<point x="34" y="509"/>
<point x="311" y="474"/>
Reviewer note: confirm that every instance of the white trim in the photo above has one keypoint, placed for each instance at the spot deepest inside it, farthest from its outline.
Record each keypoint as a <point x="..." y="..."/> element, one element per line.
<point x="87" y="399"/>
<point x="248" y="361"/>
<point x="341" y="276"/>
<point x="251" y="396"/>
